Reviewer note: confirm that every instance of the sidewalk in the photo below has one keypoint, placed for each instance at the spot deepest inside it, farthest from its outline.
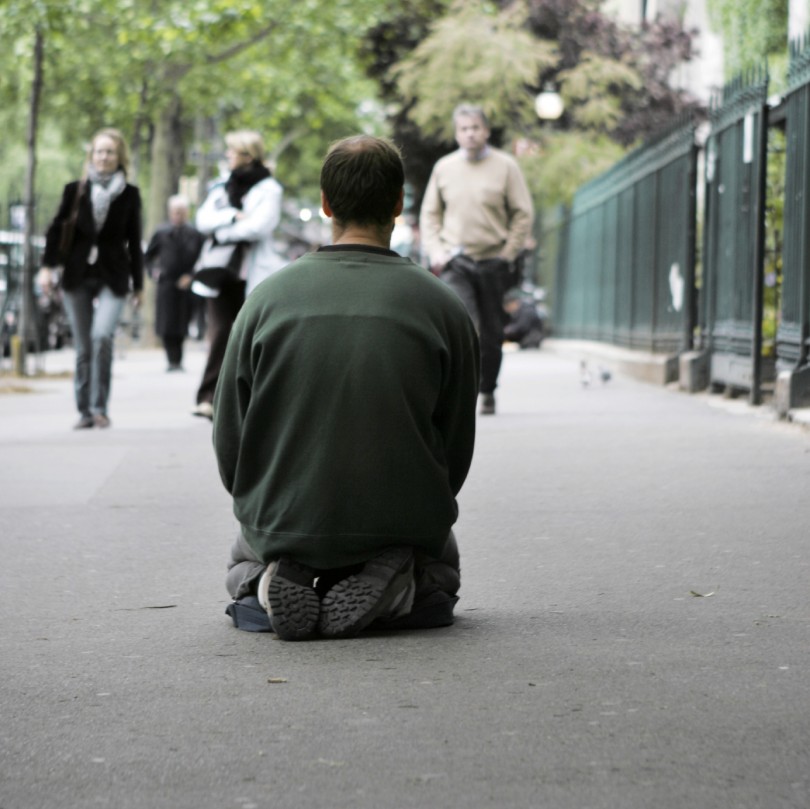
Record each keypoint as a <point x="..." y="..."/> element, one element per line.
<point x="633" y="632"/>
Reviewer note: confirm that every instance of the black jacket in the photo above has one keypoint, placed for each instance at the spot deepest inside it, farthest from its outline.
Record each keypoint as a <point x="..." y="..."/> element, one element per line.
<point x="120" y="255"/>
<point x="173" y="251"/>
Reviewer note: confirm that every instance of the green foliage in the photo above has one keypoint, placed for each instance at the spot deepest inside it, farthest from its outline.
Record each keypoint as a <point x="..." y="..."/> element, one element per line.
<point x="752" y="30"/>
<point x="472" y="54"/>
<point x="563" y="161"/>
<point x="614" y="83"/>
<point x="302" y="74"/>
<point x="594" y="88"/>
<point x="289" y="70"/>
<point x="774" y="240"/>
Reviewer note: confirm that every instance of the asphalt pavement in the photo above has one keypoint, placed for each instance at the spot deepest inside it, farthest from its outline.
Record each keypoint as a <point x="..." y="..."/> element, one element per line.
<point x="633" y="629"/>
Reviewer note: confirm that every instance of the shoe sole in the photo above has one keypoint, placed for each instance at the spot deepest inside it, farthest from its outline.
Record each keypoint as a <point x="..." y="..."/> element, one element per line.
<point x="294" y="604"/>
<point x="354" y="603"/>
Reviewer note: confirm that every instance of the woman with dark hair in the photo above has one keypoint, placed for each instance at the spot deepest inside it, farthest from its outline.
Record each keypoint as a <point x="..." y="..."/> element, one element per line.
<point x="96" y="238"/>
<point x="244" y="207"/>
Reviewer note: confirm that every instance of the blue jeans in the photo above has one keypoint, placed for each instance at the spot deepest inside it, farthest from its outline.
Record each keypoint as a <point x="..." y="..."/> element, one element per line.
<point x="93" y="314"/>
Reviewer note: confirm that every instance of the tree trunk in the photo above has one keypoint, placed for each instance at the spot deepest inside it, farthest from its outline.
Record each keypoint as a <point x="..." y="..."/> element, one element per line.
<point x="137" y="134"/>
<point x="27" y="325"/>
<point x="168" y="158"/>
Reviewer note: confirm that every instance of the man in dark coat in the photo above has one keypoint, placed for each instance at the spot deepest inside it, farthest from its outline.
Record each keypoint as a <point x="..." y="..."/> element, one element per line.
<point x="170" y="260"/>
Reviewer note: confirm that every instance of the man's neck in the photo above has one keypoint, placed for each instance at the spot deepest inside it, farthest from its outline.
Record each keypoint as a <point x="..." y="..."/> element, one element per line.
<point x="478" y="154"/>
<point x="357" y="234"/>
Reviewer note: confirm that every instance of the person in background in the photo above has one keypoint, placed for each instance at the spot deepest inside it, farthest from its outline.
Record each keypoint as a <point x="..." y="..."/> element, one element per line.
<point x="525" y="325"/>
<point x="476" y="216"/>
<point x="344" y="422"/>
<point x="96" y="238"/>
<point x="244" y="207"/>
<point x="170" y="258"/>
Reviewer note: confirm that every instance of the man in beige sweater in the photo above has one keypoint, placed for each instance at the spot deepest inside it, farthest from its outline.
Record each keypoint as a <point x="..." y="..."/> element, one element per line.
<point x="476" y="216"/>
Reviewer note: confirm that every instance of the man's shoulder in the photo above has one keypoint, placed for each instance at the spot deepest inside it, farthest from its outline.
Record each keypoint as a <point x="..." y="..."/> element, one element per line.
<point x="457" y="161"/>
<point x="501" y="155"/>
<point x="453" y="159"/>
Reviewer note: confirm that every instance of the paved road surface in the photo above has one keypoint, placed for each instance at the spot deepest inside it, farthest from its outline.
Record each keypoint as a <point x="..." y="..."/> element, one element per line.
<point x="583" y="672"/>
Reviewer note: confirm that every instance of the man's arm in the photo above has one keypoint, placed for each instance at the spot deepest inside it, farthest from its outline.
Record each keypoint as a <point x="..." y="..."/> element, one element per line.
<point x="259" y="222"/>
<point x="215" y="212"/>
<point x="455" y="416"/>
<point x="231" y="401"/>
<point x="520" y="213"/>
<point x="431" y="218"/>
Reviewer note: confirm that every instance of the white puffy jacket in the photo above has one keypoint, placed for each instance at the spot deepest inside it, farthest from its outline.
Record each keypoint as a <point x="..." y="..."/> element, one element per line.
<point x="261" y="213"/>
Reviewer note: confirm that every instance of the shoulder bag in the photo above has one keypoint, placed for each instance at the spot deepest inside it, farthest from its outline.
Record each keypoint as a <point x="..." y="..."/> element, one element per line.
<point x="69" y="225"/>
<point x="218" y="263"/>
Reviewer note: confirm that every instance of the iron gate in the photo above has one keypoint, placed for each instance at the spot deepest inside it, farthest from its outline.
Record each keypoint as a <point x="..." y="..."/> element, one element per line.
<point x="734" y="235"/>
<point x="793" y="332"/>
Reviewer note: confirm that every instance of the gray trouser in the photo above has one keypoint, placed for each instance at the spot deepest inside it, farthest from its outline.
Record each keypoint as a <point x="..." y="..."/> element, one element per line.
<point x="431" y="574"/>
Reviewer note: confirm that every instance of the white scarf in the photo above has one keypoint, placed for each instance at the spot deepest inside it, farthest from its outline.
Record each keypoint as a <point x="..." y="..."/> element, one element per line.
<point x="104" y="188"/>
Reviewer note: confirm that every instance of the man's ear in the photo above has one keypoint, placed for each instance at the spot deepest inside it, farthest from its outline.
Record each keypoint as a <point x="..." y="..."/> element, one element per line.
<point x="400" y="203"/>
<point x="327" y="209"/>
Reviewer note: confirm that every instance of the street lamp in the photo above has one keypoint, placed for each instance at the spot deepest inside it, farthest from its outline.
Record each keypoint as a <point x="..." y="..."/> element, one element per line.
<point x="548" y="104"/>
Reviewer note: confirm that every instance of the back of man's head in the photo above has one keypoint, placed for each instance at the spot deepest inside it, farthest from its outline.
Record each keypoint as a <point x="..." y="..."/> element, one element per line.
<point x="362" y="178"/>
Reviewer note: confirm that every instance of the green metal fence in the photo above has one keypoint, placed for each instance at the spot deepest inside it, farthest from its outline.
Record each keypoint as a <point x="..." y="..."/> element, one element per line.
<point x="627" y="274"/>
<point x="624" y="255"/>
<point x="793" y="333"/>
<point x="731" y="322"/>
<point x="552" y="242"/>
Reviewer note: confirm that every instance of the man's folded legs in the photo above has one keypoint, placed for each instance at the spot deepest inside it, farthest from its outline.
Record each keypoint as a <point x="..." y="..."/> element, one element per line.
<point x="398" y="589"/>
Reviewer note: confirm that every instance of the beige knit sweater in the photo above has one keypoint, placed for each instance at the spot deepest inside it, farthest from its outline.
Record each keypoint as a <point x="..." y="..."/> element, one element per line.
<point x="482" y="207"/>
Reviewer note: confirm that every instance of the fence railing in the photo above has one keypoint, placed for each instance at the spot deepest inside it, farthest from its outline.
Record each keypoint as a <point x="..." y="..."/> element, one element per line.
<point x="625" y="253"/>
<point x="627" y="274"/>
<point x="731" y="304"/>
<point x="793" y="331"/>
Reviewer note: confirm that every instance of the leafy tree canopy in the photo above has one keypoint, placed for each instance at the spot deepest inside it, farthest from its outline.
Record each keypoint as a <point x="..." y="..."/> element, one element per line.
<point x="286" y="69"/>
<point x="613" y="81"/>
<point x="753" y="31"/>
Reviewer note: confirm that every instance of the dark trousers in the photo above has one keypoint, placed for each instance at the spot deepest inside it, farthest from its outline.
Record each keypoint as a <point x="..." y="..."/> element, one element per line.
<point x="221" y="313"/>
<point x="174" y="350"/>
<point x="430" y="573"/>
<point x="481" y="286"/>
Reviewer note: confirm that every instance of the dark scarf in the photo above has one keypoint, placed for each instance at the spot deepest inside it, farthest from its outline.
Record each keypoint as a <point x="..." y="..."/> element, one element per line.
<point x="242" y="179"/>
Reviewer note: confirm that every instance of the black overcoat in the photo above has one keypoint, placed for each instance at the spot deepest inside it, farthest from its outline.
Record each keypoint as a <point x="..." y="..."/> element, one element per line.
<point x="120" y="253"/>
<point x="172" y="252"/>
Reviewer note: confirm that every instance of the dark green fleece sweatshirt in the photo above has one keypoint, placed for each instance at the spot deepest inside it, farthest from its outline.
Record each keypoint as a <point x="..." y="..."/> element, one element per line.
<point x="345" y="409"/>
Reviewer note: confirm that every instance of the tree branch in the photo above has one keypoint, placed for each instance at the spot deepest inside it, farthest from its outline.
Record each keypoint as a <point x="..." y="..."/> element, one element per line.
<point x="176" y="72"/>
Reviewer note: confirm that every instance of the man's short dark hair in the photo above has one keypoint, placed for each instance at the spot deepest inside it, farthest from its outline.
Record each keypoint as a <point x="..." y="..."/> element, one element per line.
<point x="362" y="177"/>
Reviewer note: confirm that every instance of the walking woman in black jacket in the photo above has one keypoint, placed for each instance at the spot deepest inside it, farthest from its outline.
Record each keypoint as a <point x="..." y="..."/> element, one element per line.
<point x="96" y="238"/>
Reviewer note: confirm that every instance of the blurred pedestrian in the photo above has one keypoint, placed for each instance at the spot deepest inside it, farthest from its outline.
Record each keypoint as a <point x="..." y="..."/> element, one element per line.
<point x="244" y="208"/>
<point x="525" y="325"/>
<point x="96" y="238"/>
<point x="344" y="422"/>
<point x="170" y="258"/>
<point x="476" y="216"/>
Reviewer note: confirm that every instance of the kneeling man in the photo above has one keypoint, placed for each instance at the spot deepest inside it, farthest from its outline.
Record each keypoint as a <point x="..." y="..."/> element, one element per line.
<point x="345" y="420"/>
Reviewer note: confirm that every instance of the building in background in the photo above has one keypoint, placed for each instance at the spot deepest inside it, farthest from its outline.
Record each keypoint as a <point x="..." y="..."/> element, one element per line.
<point x="701" y="77"/>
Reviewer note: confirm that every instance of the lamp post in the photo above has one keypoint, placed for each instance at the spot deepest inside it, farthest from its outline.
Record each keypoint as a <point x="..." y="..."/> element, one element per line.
<point x="548" y="104"/>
